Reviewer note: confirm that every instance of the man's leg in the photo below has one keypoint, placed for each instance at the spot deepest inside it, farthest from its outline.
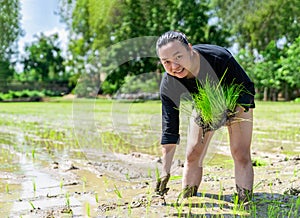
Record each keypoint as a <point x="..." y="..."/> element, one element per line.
<point x="195" y="153"/>
<point x="240" y="134"/>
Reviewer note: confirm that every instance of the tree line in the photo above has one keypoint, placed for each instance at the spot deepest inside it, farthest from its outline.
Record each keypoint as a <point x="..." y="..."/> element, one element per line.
<point x="265" y="34"/>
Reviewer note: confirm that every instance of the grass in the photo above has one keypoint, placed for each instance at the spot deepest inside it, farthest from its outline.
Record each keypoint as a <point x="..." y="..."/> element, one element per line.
<point x="43" y="129"/>
<point x="258" y="162"/>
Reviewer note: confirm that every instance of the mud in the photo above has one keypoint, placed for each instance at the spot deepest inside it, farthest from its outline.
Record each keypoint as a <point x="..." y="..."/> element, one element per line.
<point x="122" y="185"/>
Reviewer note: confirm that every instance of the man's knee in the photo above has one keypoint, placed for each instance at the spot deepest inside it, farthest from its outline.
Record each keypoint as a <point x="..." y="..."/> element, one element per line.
<point x="194" y="155"/>
<point x="241" y="154"/>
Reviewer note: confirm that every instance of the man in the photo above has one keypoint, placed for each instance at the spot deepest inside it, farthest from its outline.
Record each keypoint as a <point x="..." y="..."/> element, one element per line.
<point x="184" y="65"/>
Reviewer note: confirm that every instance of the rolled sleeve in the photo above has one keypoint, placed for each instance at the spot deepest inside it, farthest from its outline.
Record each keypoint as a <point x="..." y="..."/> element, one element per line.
<point x="169" y="138"/>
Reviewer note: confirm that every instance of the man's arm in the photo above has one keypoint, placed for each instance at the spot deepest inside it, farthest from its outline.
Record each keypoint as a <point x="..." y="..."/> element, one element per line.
<point x="170" y="137"/>
<point x="170" y="97"/>
<point x="168" y="151"/>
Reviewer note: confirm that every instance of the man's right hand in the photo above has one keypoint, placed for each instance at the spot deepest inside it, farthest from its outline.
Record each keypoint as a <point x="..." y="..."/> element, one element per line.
<point x="168" y="151"/>
<point x="161" y="185"/>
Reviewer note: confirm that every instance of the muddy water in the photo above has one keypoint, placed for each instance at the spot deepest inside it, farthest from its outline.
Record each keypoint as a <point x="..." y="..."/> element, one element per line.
<point x="45" y="171"/>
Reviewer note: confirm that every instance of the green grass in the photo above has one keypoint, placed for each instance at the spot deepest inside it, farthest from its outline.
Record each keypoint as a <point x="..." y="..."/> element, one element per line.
<point x="258" y="162"/>
<point x="50" y="125"/>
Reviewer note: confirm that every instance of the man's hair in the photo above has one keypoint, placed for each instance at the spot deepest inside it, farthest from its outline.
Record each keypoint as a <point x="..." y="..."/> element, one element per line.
<point x="171" y="36"/>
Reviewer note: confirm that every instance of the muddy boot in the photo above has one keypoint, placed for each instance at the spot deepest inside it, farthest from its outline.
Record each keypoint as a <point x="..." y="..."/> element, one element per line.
<point x="244" y="195"/>
<point x="190" y="191"/>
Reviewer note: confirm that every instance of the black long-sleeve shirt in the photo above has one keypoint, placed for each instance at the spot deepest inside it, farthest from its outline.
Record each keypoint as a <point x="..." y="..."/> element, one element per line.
<point x="214" y="61"/>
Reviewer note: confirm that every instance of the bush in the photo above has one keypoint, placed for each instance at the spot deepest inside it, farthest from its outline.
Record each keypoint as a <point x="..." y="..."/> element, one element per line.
<point x="146" y="83"/>
<point x="297" y="100"/>
<point x="26" y="95"/>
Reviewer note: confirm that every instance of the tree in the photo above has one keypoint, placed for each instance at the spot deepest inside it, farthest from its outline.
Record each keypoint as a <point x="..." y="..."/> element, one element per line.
<point x="192" y="18"/>
<point x="10" y="31"/>
<point x="266" y="72"/>
<point x="247" y="60"/>
<point x="97" y="26"/>
<point x="255" y="23"/>
<point x="10" y="25"/>
<point x="43" y="61"/>
<point x="289" y="72"/>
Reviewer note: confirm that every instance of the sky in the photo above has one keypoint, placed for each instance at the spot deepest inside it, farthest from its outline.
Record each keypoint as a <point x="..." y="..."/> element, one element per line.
<point x="39" y="16"/>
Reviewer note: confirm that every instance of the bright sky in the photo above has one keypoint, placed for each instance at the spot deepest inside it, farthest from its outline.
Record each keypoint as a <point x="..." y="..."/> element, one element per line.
<point x="39" y="16"/>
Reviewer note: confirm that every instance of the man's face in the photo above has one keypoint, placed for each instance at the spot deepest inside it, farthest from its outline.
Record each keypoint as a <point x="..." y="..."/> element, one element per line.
<point x="176" y="59"/>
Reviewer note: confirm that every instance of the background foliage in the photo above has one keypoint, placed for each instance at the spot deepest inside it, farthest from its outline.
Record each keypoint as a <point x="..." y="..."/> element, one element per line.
<point x="10" y="31"/>
<point x="264" y="36"/>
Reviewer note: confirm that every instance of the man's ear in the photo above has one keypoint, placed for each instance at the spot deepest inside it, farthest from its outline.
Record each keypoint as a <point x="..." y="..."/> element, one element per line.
<point x="191" y="47"/>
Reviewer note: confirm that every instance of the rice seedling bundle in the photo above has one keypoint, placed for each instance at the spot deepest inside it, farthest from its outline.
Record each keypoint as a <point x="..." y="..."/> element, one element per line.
<point x="215" y="105"/>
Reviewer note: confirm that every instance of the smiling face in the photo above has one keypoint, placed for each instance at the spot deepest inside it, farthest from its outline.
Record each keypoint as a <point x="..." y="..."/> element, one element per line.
<point x="176" y="59"/>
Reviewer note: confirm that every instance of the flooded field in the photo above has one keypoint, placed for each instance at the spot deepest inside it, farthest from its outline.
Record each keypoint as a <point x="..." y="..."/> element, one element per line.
<point x="98" y="158"/>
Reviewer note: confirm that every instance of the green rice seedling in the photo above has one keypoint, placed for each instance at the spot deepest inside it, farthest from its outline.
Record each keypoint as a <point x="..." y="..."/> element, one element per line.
<point x="148" y="208"/>
<point x="297" y="207"/>
<point x="33" y="153"/>
<point x="178" y="177"/>
<point x="235" y="204"/>
<point x="203" y="205"/>
<point x="117" y="192"/>
<point x="257" y="185"/>
<point x="149" y="198"/>
<point x="295" y="172"/>
<point x="68" y="200"/>
<point x="253" y="210"/>
<point x="105" y="181"/>
<point x="149" y="172"/>
<point x="96" y="197"/>
<point x="61" y="184"/>
<point x="7" y="188"/>
<point x="157" y="174"/>
<point x="127" y="176"/>
<point x="34" y="186"/>
<point x="204" y="100"/>
<point x="273" y="209"/>
<point x="215" y="105"/>
<point x="190" y="204"/>
<point x="291" y="211"/>
<point x="88" y="209"/>
<point x="271" y="187"/>
<point x="129" y="210"/>
<point x="32" y="205"/>
<point x="220" y="195"/>
<point x="179" y="208"/>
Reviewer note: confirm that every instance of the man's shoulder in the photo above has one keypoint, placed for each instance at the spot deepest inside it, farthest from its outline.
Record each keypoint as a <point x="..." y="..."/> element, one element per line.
<point x="213" y="51"/>
<point x="167" y="80"/>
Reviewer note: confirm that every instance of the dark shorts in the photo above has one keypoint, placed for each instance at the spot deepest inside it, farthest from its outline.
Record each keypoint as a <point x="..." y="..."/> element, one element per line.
<point x="246" y="101"/>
